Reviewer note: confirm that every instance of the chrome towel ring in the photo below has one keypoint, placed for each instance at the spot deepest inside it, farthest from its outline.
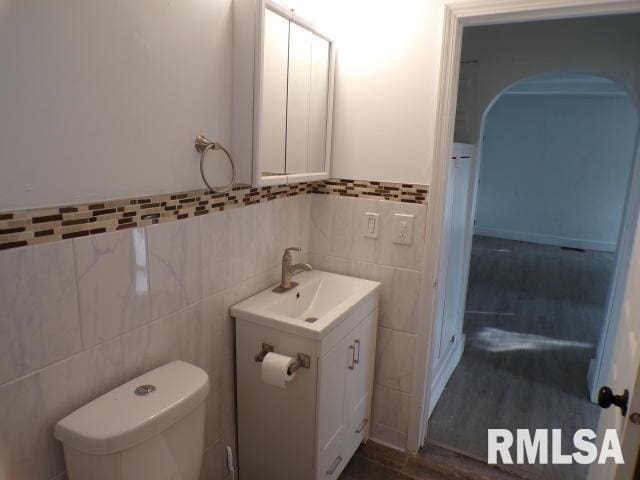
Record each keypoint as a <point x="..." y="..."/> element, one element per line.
<point x="203" y="145"/>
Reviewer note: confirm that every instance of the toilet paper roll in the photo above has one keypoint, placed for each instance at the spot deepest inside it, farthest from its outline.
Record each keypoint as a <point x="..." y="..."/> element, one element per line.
<point x="275" y="369"/>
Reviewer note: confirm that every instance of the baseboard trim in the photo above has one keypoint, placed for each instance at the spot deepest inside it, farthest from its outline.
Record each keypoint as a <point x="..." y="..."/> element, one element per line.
<point x="442" y="376"/>
<point x="546" y="239"/>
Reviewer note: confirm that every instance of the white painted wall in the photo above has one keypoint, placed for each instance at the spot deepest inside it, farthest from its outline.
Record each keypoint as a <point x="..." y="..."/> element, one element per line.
<point x="609" y="46"/>
<point x="555" y="169"/>
<point x="386" y="78"/>
<point x="148" y="76"/>
<point x="389" y="63"/>
<point x="103" y="99"/>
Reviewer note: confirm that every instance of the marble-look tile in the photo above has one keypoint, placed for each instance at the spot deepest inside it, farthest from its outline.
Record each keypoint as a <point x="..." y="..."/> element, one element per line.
<point x="257" y="283"/>
<point x="69" y="384"/>
<point x="266" y="236"/>
<point x="234" y="271"/>
<point x="296" y="226"/>
<point x="382" y="274"/>
<point x="391" y="408"/>
<point x="215" y="339"/>
<point x="281" y="227"/>
<point x="394" y="359"/>
<point x="23" y="432"/>
<point x="39" y="321"/>
<point x="175" y="265"/>
<point x="327" y="263"/>
<point x="215" y="243"/>
<point x="221" y="402"/>
<point x="214" y="458"/>
<point x="321" y="224"/>
<point x="389" y="436"/>
<point x="362" y="248"/>
<point x="342" y="226"/>
<point x="250" y="240"/>
<point x="305" y="220"/>
<point x="113" y="284"/>
<point x="173" y="337"/>
<point x="406" y="296"/>
<point x="398" y="255"/>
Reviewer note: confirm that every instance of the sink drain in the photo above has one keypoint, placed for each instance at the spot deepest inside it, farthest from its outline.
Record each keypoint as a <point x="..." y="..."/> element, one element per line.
<point x="310" y="319"/>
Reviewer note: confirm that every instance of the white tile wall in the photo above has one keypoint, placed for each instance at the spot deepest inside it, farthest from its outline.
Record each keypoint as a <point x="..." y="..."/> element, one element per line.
<point x="113" y="284"/>
<point x="39" y="321"/>
<point x="175" y="265"/>
<point x="338" y="245"/>
<point x="79" y="317"/>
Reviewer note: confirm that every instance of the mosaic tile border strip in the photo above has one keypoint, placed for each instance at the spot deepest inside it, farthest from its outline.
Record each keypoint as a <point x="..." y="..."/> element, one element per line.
<point x="45" y="225"/>
<point x="399" y="192"/>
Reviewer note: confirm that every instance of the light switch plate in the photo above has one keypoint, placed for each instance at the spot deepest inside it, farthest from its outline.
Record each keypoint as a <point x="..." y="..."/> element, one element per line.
<point x="371" y="226"/>
<point x="403" y="229"/>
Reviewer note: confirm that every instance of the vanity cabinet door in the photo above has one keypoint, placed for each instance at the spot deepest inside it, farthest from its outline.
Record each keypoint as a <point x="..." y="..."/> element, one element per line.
<point x="332" y="420"/>
<point x="273" y="121"/>
<point x="360" y="380"/>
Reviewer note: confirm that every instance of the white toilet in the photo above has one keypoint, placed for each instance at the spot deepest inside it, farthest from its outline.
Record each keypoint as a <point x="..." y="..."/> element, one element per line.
<point x="150" y="427"/>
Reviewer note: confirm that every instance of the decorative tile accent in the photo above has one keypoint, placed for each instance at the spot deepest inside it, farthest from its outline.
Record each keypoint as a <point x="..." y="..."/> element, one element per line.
<point x="32" y="227"/>
<point x="399" y="192"/>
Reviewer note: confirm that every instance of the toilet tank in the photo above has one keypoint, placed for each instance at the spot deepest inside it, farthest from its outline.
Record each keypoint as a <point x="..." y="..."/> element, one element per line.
<point x="150" y="427"/>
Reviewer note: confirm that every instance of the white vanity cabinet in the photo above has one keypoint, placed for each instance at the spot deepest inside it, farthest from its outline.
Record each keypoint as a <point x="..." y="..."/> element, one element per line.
<point x="310" y="429"/>
<point x="345" y="381"/>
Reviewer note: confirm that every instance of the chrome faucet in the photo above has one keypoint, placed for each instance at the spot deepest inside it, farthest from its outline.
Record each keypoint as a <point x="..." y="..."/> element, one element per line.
<point x="288" y="270"/>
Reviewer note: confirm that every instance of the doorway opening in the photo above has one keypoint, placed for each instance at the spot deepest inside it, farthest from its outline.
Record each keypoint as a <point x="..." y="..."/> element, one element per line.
<point x="551" y="235"/>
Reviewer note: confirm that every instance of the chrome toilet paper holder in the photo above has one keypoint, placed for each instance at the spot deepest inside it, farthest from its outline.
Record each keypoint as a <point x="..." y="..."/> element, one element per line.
<point x="302" y="360"/>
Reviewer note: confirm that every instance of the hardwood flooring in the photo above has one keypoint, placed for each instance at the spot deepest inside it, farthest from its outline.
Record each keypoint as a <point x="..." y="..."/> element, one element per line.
<point x="377" y="462"/>
<point x="532" y="322"/>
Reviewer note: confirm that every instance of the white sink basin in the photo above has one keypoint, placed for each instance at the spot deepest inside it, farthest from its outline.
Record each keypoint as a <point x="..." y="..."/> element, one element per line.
<point x="311" y="309"/>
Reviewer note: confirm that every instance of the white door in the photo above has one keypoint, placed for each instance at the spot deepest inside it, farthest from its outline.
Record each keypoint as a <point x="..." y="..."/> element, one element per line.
<point x="447" y="341"/>
<point x="624" y="375"/>
<point x="454" y="303"/>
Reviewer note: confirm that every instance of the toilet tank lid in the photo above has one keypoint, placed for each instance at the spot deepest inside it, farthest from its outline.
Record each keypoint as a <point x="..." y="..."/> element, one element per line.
<point x="125" y="416"/>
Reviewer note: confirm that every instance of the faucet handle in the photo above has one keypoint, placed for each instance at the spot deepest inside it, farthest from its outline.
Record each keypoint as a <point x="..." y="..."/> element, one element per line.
<point x="292" y="249"/>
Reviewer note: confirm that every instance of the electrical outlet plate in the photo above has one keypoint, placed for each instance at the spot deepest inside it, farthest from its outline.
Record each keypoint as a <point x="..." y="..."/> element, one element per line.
<point x="403" y="229"/>
<point x="371" y="226"/>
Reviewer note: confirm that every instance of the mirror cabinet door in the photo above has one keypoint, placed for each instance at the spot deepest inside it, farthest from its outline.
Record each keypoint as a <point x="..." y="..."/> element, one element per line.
<point x="318" y="103"/>
<point x="273" y="121"/>
<point x="294" y="108"/>
<point x="298" y="99"/>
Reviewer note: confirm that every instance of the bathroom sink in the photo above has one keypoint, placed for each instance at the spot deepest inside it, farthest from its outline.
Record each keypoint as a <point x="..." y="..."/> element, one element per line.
<point x="312" y="308"/>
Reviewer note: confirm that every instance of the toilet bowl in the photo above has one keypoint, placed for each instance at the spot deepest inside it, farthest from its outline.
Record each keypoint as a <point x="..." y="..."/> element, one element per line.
<point x="150" y="427"/>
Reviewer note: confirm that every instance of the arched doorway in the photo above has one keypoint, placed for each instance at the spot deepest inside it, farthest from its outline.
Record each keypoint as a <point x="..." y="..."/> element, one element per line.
<point x="543" y="287"/>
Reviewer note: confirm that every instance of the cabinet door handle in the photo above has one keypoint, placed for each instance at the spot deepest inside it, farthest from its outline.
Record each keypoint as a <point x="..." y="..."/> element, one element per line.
<point x="334" y="465"/>
<point x="362" y="426"/>
<point x="357" y="344"/>
<point x="353" y="357"/>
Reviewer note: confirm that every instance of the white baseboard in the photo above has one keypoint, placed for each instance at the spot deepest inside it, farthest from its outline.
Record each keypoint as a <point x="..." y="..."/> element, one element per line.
<point x="445" y="370"/>
<point x="546" y="239"/>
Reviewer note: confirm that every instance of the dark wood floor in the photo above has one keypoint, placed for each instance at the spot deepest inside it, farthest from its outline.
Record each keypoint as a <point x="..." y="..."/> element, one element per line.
<point x="377" y="462"/>
<point x="532" y="322"/>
